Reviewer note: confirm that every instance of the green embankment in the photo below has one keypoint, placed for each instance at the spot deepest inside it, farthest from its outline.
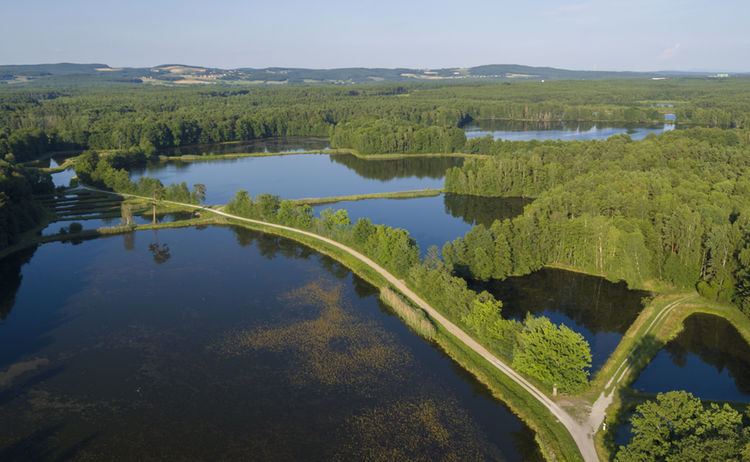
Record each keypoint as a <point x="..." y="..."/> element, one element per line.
<point x="357" y="197"/>
<point x="353" y="152"/>
<point x="648" y="334"/>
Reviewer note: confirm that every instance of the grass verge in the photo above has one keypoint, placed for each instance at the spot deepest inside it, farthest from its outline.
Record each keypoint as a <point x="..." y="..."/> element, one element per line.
<point x="357" y="197"/>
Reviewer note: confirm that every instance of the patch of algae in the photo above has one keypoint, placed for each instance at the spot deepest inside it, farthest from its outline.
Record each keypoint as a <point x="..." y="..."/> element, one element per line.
<point x="417" y="429"/>
<point x="335" y="348"/>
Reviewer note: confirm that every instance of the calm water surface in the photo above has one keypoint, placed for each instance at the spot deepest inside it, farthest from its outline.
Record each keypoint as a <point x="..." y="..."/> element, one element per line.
<point x="224" y="344"/>
<point x="600" y="310"/>
<point x="433" y="220"/>
<point x="709" y="359"/>
<point x="299" y="176"/>
<point x="513" y="130"/>
<point x="281" y="144"/>
<point x="61" y="178"/>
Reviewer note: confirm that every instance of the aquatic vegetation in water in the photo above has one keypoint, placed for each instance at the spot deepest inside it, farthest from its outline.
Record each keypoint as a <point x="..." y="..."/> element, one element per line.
<point x="419" y="428"/>
<point x="335" y="347"/>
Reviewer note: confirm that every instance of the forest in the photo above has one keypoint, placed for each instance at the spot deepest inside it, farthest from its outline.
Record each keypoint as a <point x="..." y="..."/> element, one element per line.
<point x="373" y="119"/>
<point x="674" y="207"/>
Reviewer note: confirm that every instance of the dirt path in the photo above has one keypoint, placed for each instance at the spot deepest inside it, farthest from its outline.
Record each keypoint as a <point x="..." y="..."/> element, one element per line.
<point x="599" y="408"/>
<point x="582" y="433"/>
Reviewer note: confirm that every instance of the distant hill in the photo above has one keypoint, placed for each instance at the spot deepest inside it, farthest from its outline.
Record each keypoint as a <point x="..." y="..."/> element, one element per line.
<point x="67" y="74"/>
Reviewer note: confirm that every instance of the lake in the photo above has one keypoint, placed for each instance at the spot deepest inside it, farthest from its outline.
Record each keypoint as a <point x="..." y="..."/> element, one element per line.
<point x="709" y="359"/>
<point x="297" y="176"/>
<point x="513" y="130"/>
<point x="222" y="343"/>
<point x="600" y="310"/>
<point x="433" y="220"/>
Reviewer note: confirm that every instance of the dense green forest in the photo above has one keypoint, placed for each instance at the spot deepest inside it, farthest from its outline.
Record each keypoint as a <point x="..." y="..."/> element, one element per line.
<point x="18" y="210"/>
<point x="373" y="119"/>
<point x="674" y="207"/>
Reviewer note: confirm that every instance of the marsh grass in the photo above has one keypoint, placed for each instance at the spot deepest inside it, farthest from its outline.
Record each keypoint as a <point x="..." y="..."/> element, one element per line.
<point x="414" y="317"/>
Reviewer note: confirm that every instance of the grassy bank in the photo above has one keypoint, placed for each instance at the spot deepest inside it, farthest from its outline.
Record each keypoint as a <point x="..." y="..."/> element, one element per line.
<point x="238" y="155"/>
<point x="358" y="197"/>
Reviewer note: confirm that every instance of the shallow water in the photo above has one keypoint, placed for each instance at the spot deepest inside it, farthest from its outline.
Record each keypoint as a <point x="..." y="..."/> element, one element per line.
<point x="224" y="343"/>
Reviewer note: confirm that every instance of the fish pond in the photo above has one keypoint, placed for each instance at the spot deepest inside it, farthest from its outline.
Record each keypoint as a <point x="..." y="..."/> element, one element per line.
<point x="709" y="359"/>
<point x="297" y="176"/>
<point x="514" y="130"/>
<point x="600" y="310"/>
<point x="433" y="220"/>
<point x="221" y="343"/>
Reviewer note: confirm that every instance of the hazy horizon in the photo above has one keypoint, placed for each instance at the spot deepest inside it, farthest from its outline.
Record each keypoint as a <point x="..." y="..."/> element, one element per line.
<point x="612" y="35"/>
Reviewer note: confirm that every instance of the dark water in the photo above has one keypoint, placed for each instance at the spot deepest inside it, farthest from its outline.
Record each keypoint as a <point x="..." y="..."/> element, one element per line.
<point x="282" y="144"/>
<point x="600" y="310"/>
<point x="432" y="220"/>
<point x="513" y="130"/>
<point x="224" y="344"/>
<point x="299" y="176"/>
<point x="709" y="359"/>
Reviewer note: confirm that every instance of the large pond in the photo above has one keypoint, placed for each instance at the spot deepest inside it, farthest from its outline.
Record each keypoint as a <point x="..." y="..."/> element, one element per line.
<point x="433" y="220"/>
<point x="709" y="359"/>
<point x="513" y="130"/>
<point x="224" y="344"/>
<point x="600" y="310"/>
<point x="297" y="176"/>
<point x="281" y="144"/>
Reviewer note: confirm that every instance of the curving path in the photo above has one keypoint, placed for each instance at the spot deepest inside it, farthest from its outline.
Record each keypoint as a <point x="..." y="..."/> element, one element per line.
<point x="582" y="434"/>
<point x="599" y="408"/>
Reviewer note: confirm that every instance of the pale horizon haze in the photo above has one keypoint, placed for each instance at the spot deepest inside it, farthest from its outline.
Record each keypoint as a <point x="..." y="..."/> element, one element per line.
<point x="588" y="35"/>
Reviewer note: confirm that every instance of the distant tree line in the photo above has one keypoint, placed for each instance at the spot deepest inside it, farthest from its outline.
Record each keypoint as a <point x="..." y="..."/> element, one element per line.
<point x="417" y="118"/>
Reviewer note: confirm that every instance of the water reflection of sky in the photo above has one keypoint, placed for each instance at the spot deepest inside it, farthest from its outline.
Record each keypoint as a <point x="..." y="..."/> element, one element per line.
<point x="293" y="176"/>
<point x="567" y="134"/>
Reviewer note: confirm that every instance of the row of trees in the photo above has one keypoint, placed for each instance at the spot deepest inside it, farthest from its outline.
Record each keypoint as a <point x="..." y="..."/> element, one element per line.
<point x="674" y="207"/>
<point x="553" y="355"/>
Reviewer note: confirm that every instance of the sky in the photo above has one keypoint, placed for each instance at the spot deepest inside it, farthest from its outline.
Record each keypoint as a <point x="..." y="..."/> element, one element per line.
<point x="636" y="35"/>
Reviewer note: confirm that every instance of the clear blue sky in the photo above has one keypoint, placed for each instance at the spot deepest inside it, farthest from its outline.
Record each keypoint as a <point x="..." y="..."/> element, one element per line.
<point x="636" y="35"/>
